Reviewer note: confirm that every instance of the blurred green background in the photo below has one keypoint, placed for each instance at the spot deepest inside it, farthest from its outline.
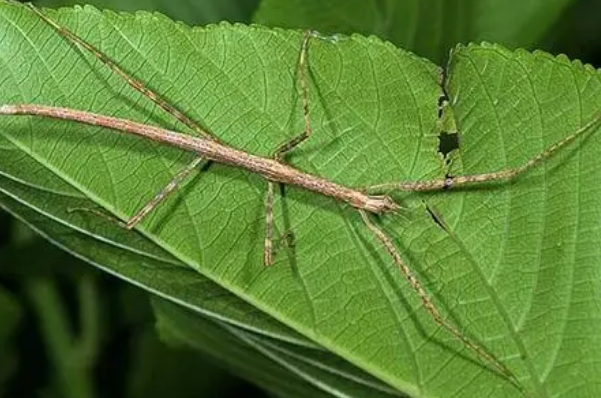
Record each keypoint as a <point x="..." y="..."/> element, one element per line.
<point x="56" y="311"/>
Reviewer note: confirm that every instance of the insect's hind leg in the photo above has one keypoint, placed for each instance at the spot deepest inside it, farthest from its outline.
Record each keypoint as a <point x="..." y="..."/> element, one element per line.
<point x="155" y="201"/>
<point x="130" y="80"/>
<point x="132" y="222"/>
<point x="164" y="193"/>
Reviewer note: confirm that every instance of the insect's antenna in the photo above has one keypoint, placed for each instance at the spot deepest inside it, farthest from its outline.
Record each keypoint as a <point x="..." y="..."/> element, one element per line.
<point x="508" y="174"/>
<point x="133" y="82"/>
<point x="429" y="305"/>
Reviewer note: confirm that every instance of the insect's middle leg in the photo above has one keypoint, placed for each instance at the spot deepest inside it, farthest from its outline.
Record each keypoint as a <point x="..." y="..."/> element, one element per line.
<point x="283" y="149"/>
<point x="303" y="77"/>
<point x="268" y="248"/>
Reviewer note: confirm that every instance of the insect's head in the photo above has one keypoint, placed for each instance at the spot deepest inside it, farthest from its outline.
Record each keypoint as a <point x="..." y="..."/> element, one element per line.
<point x="379" y="204"/>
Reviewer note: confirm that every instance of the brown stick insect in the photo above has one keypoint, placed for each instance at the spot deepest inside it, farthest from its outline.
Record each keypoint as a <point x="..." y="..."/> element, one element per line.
<point x="367" y="201"/>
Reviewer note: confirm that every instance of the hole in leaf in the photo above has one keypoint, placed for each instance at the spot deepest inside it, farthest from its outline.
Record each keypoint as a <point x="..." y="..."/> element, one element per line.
<point x="447" y="142"/>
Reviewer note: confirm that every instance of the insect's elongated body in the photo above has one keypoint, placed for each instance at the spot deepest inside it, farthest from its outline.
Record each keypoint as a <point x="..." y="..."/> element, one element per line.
<point x="208" y="148"/>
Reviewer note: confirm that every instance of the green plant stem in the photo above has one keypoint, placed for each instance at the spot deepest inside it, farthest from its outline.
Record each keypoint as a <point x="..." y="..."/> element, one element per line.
<point x="70" y="359"/>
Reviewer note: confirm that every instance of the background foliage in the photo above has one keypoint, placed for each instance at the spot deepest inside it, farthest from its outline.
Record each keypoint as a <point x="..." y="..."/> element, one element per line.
<point x="69" y="330"/>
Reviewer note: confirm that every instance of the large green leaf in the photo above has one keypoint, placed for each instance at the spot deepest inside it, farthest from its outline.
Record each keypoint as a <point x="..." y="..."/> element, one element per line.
<point x="429" y="28"/>
<point x="517" y="267"/>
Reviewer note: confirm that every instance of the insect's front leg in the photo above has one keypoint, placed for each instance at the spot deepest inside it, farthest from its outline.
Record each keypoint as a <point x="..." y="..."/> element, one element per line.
<point x="507" y="174"/>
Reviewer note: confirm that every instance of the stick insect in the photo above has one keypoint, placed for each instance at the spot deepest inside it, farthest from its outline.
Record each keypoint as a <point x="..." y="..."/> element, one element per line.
<point x="367" y="201"/>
